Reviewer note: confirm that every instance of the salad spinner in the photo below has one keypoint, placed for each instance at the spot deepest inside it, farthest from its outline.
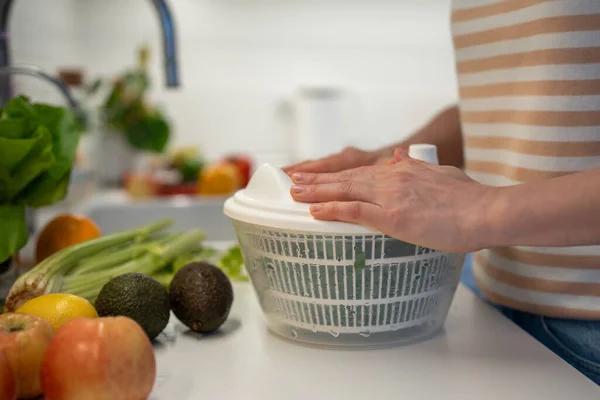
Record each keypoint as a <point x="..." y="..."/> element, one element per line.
<point x="333" y="283"/>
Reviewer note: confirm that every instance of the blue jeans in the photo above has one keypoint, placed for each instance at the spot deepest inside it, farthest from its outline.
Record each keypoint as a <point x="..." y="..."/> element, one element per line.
<point x="575" y="341"/>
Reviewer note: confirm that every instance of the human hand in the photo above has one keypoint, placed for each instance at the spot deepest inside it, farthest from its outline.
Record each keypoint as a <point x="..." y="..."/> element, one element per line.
<point x="350" y="157"/>
<point x="425" y="204"/>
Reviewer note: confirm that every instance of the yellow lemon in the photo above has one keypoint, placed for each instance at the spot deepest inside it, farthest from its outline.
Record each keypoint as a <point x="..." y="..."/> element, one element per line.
<point x="59" y="308"/>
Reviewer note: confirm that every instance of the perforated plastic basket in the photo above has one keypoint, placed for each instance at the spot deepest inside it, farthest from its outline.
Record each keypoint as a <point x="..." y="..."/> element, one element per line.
<point x="333" y="283"/>
<point x="348" y="290"/>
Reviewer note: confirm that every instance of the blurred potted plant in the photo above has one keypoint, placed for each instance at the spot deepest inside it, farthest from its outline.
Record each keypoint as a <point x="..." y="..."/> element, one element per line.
<point x="130" y="123"/>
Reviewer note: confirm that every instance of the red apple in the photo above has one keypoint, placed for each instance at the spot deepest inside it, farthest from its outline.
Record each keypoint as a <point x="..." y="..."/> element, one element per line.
<point x="24" y="339"/>
<point x="243" y="164"/>
<point x="107" y="358"/>
<point x="8" y="385"/>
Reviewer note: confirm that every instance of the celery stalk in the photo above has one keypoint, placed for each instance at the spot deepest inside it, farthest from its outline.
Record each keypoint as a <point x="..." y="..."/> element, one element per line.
<point x="164" y="278"/>
<point x="103" y="262"/>
<point x="45" y="277"/>
<point x="89" y="285"/>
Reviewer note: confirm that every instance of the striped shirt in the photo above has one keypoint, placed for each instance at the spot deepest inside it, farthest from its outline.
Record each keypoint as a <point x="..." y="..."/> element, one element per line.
<point x="529" y="84"/>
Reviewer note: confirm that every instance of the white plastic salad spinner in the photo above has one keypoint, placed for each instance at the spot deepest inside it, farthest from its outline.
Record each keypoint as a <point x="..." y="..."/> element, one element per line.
<point x="267" y="201"/>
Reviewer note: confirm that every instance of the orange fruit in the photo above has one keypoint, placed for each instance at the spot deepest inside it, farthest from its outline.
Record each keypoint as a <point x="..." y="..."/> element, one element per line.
<point x="63" y="231"/>
<point x="219" y="179"/>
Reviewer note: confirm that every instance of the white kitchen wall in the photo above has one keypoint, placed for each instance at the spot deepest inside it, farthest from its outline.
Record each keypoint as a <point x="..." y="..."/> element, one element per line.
<point x="43" y="33"/>
<point x="241" y="60"/>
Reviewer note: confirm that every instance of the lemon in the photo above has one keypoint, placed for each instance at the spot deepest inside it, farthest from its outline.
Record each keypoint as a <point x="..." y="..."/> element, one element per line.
<point x="59" y="308"/>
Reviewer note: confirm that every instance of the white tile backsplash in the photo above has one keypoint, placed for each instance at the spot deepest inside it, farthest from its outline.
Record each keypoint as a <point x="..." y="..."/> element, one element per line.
<point x="240" y="60"/>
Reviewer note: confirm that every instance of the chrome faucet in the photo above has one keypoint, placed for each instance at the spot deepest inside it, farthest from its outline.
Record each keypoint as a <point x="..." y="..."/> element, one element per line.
<point x="168" y="39"/>
<point x="169" y="55"/>
<point x="35" y="71"/>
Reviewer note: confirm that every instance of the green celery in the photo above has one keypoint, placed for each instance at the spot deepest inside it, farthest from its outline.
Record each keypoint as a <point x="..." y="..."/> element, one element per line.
<point x="47" y="275"/>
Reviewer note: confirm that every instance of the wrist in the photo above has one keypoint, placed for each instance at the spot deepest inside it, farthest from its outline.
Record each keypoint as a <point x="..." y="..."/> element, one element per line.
<point x="487" y="220"/>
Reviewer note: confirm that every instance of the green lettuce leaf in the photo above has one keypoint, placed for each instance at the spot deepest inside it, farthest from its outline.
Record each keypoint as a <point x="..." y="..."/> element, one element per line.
<point x="38" y="144"/>
<point x="62" y="125"/>
<point x="13" y="234"/>
<point x="16" y="128"/>
<point x="46" y="192"/>
<point x="232" y="263"/>
<point x="19" y="107"/>
<point x="38" y="159"/>
<point x="52" y="185"/>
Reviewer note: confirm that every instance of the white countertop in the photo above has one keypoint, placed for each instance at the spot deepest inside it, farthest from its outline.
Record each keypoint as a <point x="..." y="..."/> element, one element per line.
<point x="481" y="355"/>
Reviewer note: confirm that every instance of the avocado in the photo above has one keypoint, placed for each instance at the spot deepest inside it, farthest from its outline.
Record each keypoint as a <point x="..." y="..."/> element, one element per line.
<point x="138" y="297"/>
<point x="201" y="296"/>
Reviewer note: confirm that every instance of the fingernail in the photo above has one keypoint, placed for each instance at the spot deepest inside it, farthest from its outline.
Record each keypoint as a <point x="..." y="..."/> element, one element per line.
<point x="316" y="207"/>
<point x="297" y="177"/>
<point x="298" y="189"/>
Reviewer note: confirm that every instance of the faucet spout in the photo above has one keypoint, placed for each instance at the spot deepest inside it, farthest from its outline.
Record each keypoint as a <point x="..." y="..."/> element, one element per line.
<point x="37" y="72"/>
<point x="169" y="42"/>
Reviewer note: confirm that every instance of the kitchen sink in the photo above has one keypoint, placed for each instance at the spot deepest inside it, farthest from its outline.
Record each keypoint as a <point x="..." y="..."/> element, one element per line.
<point x="186" y="213"/>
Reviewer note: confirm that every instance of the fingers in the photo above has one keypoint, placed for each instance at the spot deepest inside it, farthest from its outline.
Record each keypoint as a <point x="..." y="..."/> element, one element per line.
<point x="401" y="154"/>
<point x="385" y="161"/>
<point x="355" y="174"/>
<point x="290" y="169"/>
<point x="339" y="191"/>
<point x="327" y="164"/>
<point x="304" y="178"/>
<point x="357" y="212"/>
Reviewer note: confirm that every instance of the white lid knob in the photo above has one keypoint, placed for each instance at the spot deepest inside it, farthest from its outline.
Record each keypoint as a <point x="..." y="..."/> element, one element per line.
<point x="424" y="152"/>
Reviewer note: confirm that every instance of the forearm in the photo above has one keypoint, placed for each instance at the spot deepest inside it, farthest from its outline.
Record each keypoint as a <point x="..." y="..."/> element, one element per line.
<point x="444" y="131"/>
<point x="563" y="211"/>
